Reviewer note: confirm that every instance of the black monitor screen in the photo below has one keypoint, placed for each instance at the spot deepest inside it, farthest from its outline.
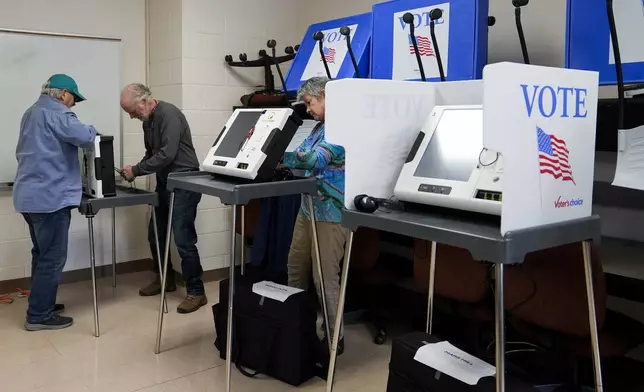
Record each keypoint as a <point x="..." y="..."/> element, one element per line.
<point x="229" y="146"/>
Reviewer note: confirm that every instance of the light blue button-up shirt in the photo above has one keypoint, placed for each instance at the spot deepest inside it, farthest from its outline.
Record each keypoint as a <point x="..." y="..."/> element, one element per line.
<point x="48" y="177"/>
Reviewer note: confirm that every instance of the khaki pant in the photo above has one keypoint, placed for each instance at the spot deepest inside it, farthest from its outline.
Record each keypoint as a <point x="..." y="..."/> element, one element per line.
<point x="331" y="237"/>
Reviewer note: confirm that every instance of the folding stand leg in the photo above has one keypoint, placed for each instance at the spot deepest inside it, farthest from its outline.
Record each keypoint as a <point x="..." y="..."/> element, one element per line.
<point x="338" y="317"/>
<point x="318" y="266"/>
<point x="231" y="293"/>
<point x="243" y="238"/>
<point x="156" y="241"/>
<point x="430" y="295"/>
<point x="114" y="247"/>
<point x="500" y="328"/>
<point x="164" y="274"/>
<point x="92" y="261"/>
<point x="592" y="315"/>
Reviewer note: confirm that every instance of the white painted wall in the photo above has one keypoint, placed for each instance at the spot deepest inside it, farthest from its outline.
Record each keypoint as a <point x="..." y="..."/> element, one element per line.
<point x="544" y="23"/>
<point x="115" y="18"/>
<point x="188" y="43"/>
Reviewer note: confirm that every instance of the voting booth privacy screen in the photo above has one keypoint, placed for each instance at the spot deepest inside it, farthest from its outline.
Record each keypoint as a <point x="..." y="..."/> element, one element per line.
<point x="461" y="36"/>
<point x="543" y="122"/>
<point x="530" y="152"/>
<point x="308" y="61"/>
<point x="588" y="41"/>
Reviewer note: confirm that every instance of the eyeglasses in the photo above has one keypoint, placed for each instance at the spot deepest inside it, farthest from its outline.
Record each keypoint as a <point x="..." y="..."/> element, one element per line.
<point x="73" y="95"/>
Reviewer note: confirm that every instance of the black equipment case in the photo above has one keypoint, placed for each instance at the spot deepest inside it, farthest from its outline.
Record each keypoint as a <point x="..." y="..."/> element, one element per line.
<point x="409" y="375"/>
<point x="274" y="338"/>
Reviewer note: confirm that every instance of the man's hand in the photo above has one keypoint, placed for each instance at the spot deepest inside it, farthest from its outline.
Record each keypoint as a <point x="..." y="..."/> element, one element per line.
<point x="127" y="173"/>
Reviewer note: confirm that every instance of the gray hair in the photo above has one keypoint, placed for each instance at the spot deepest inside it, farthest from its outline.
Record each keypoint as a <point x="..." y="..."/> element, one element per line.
<point x="313" y="87"/>
<point x="138" y="92"/>
<point x="52" y="92"/>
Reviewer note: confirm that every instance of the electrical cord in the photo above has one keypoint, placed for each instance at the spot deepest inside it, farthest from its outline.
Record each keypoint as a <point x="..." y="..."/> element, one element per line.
<point x="619" y="69"/>
<point x="529" y="297"/>
<point x="391" y="205"/>
<point x="23" y="293"/>
<point x="522" y="42"/>
<point x="426" y="251"/>
<point x="488" y="164"/>
<point x="534" y="346"/>
<point x="8" y="298"/>
<point x="282" y="174"/>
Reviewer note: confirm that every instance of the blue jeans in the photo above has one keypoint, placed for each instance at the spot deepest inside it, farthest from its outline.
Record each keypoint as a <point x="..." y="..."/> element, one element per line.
<point x="185" y="234"/>
<point x="49" y="235"/>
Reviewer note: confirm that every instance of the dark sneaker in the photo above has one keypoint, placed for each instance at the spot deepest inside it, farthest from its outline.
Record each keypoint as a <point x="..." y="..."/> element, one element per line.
<point x="59" y="308"/>
<point x="340" y="346"/>
<point x="154" y="288"/>
<point x="323" y="357"/>
<point x="192" y="303"/>
<point x="56" y="322"/>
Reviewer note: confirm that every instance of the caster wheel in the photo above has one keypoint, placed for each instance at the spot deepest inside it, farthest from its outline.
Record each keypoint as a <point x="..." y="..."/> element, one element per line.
<point x="380" y="339"/>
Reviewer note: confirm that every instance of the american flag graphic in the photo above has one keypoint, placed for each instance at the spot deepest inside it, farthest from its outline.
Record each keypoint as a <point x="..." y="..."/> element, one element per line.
<point x="553" y="156"/>
<point x="329" y="55"/>
<point x="424" y="46"/>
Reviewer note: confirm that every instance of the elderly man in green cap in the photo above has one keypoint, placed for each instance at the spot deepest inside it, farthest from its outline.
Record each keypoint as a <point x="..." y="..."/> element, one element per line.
<point x="47" y="188"/>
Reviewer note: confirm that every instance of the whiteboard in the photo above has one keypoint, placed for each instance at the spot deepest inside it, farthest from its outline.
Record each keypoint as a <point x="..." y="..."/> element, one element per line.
<point x="27" y="60"/>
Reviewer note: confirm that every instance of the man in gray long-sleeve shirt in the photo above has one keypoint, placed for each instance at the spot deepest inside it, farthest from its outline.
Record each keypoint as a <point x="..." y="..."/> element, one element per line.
<point x="168" y="148"/>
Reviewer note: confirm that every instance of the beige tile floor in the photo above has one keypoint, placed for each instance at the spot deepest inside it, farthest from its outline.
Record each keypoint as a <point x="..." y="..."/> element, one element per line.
<point x="123" y="359"/>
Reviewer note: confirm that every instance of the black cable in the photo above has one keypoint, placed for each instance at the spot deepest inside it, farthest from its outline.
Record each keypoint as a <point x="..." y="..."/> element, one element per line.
<point x="283" y="174"/>
<point x="319" y="37"/>
<point x="418" y="59"/>
<point x="529" y="297"/>
<point x="426" y="251"/>
<point x="437" y="52"/>
<point x="618" y="63"/>
<point x="489" y="164"/>
<point x="346" y="31"/>
<point x="524" y="46"/>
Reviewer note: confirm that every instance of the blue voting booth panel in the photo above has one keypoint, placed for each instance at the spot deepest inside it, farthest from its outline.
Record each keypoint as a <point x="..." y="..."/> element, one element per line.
<point x="461" y="36"/>
<point x="588" y="40"/>
<point x="308" y="61"/>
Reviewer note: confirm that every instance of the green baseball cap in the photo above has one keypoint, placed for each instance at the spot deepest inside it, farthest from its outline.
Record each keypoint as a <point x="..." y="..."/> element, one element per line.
<point x="65" y="82"/>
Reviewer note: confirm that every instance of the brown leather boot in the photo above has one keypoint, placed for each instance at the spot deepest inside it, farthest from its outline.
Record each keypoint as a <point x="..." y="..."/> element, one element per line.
<point x="154" y="288"/>
<point x="192" y="303"/>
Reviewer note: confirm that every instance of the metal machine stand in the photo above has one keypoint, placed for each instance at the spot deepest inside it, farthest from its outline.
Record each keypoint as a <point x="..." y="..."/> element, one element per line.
<point x="232" y="192"/>
<point x="125" y="197"/>
<point x="484" y="241"/>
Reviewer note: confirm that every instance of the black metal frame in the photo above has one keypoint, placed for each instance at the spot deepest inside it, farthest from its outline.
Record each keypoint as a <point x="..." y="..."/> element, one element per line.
<point x="266" y="61"/>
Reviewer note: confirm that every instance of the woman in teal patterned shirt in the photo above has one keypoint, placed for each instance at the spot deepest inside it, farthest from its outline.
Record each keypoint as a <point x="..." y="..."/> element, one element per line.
<point x="326" y="162"/>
